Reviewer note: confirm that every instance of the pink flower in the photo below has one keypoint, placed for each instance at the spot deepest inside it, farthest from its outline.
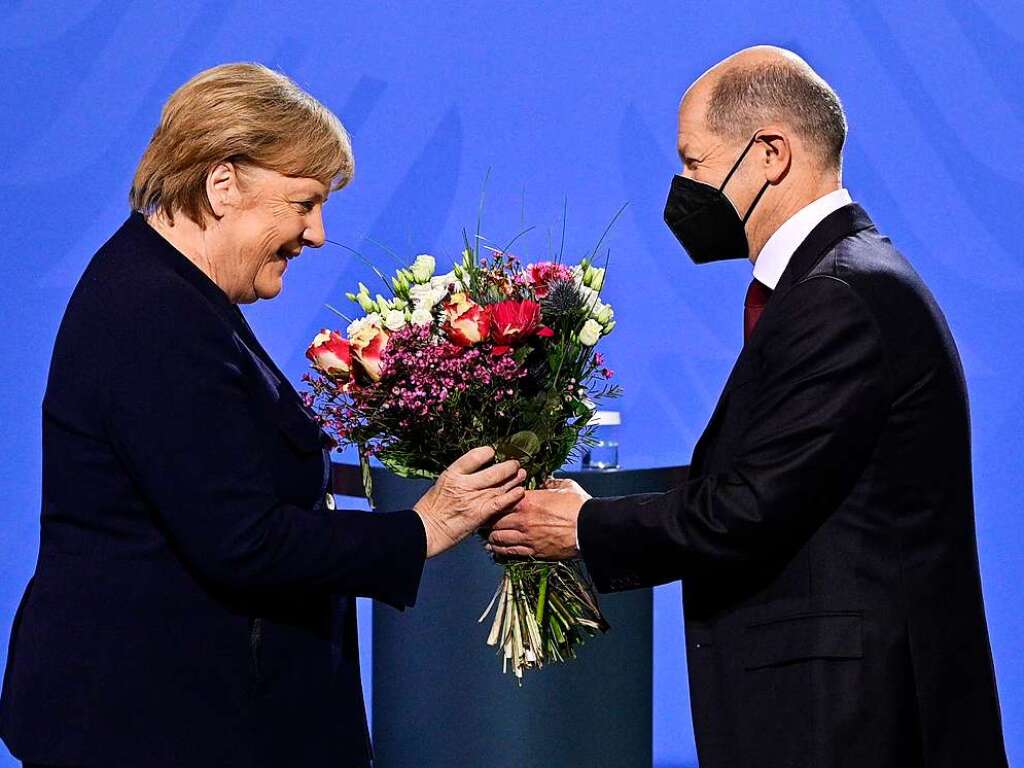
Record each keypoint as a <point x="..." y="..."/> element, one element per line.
<point x="543" y="273"/>
<point x="330" y="354"/>
<point x="367" y="345"/>
<point x="466" y="322"/>
<point x="513" y="321"/>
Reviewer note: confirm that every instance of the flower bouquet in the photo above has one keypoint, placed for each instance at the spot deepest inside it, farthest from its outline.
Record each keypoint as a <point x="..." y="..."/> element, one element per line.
<point x="496" y="353"/>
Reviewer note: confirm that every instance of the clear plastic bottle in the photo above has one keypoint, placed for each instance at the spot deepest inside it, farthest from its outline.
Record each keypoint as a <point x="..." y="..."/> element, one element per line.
<point x="603" y="455"/>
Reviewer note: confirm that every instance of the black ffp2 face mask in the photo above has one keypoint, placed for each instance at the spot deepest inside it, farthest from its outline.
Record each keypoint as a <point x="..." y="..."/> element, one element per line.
<point x="704" y="221"/>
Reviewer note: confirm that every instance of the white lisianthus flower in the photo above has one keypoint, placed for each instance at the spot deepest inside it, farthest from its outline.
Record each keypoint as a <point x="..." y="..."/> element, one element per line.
<point x="394" y="320"/>
<point x="596" y="278"/>
<point x="422" y="316"/>
<point x="368" y="304"/>
<point x="425" y="296"/>
<point x="357" y="325"/>
<point x="590" y="333"/>
<point x="443" y="282"/>
<point x="419" y="294"/>
<point x="602" y="312"/>
<point x="423" y="268"/>
<point x="577" y="276"/>
<point x="590" y="299"/>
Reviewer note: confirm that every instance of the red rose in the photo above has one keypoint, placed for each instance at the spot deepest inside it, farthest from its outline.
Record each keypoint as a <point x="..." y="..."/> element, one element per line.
<point x="330" y="354"/>
<point x="466" y="322"/>
<point x="513" y="321"/>
<point x="367" y="347"/>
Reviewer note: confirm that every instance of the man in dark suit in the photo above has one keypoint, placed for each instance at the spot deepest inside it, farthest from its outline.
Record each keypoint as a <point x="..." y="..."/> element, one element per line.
<point x="825" y="537"/>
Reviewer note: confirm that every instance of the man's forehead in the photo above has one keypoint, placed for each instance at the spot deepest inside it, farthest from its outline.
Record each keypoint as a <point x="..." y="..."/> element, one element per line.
<point x="692" y="128"/>
<point x="692" y="132"/>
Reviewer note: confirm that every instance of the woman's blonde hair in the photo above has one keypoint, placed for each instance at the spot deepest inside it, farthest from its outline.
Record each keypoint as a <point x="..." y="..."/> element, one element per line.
<point x="242" y="113"/>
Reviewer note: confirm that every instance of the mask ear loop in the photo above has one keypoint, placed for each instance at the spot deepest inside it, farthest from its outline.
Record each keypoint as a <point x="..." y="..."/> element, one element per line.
<point x="750" y="210"/>
<point x="739" y="160"/>
<point x="733" y="170"/>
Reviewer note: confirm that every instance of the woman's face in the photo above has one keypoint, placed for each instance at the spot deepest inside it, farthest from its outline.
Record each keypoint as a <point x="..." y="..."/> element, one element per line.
<point x="265" y="223"/>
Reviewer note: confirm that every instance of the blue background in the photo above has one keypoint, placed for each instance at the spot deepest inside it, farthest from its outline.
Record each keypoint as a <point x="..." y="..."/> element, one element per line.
<point x="559" y="99"/>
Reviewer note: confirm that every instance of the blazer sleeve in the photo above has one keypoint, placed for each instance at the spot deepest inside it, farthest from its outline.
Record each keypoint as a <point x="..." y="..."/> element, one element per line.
<point x="818" y="412"/>
<point x="184" y="422"/>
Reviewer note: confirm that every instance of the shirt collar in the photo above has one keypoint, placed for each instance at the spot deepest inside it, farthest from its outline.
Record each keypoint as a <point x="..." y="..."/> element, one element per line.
<point x="776" y="253"/>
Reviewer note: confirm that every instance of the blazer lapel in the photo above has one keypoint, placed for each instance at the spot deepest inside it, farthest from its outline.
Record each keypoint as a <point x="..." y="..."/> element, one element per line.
<point x="841" y="223"/>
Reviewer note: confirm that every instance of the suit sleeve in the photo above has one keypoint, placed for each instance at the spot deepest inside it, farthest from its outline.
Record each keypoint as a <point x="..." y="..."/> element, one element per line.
<point x="185" y="424"/>
<point x="812" y="425"/>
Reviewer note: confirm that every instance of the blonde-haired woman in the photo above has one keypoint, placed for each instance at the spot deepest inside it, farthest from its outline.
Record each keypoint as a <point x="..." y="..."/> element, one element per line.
<point x="192" y="603"/>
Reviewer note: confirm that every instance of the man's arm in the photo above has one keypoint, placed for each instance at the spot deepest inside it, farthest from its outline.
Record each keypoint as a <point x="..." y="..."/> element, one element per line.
<point x="811" y="428"/>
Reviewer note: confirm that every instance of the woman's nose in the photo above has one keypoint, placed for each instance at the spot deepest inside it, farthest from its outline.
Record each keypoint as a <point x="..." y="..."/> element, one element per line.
<point x="314" y="234"/>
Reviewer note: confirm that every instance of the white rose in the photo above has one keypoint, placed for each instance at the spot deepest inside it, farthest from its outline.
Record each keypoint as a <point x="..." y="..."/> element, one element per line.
<point x="423" y="268"/>
<point x="357" y="325"/>
<point x="394" y="320"/>
<point x="422" y="317"/>
<point x="591" y="333"/>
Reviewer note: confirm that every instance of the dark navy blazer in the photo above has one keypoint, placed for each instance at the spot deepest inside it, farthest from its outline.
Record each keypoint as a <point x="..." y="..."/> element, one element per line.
<point x="825" y="536"/>
<point x="192" y="603"/>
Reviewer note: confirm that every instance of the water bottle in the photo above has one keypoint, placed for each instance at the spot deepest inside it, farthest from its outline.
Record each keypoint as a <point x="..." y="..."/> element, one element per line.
<point x="603" y="454"/>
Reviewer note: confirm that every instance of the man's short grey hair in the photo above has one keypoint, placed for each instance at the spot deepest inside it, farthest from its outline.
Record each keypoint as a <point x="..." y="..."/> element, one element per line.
<point x="748" y="97"/>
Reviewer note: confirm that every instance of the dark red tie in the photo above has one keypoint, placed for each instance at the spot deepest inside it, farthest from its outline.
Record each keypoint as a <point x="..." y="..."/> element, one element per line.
<point x="757" y="297"/>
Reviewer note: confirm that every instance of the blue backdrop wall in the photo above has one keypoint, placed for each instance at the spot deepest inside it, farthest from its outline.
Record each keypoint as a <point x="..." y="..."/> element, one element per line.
<point x="571" y="99"/>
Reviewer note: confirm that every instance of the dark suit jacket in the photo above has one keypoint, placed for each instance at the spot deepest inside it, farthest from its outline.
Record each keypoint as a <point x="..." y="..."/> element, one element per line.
<point x="825" y="537"/>
<point x="192" y="603"/>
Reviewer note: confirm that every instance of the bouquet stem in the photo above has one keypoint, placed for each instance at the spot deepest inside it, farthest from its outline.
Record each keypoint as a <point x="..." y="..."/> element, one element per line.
<point x="543" y="611"/>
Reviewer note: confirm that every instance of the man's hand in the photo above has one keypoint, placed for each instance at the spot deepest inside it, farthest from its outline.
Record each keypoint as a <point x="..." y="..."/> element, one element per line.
<point x="466" y="495"/>
<point x="543" y="524"/>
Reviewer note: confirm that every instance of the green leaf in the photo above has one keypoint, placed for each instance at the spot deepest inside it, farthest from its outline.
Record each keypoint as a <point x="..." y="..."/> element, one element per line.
<point x="522" y="446"/>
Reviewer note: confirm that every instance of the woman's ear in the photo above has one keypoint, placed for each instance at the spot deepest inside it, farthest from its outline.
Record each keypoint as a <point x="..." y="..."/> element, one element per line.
<point x="775" y="154"/>
<point x="222" y="188"/>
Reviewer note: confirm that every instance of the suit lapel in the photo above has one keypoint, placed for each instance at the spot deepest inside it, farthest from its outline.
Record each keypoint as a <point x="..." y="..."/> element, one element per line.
<point x="841" y="223"/>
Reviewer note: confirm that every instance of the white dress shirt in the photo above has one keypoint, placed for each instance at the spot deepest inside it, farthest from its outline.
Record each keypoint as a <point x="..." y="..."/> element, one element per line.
<point x="775" y="255"/>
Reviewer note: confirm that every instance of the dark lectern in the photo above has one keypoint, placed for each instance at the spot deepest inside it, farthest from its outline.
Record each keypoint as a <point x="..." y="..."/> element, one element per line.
<point x="439" y="697"/>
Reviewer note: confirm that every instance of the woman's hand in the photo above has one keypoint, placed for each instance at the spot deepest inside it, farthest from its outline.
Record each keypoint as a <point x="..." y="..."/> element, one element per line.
<point x="466" y="496"/>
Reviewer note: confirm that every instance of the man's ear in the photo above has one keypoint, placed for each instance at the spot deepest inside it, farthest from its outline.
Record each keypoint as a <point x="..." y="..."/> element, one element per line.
<point x="222" y="187"/>
<point x="774" y="153"/>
